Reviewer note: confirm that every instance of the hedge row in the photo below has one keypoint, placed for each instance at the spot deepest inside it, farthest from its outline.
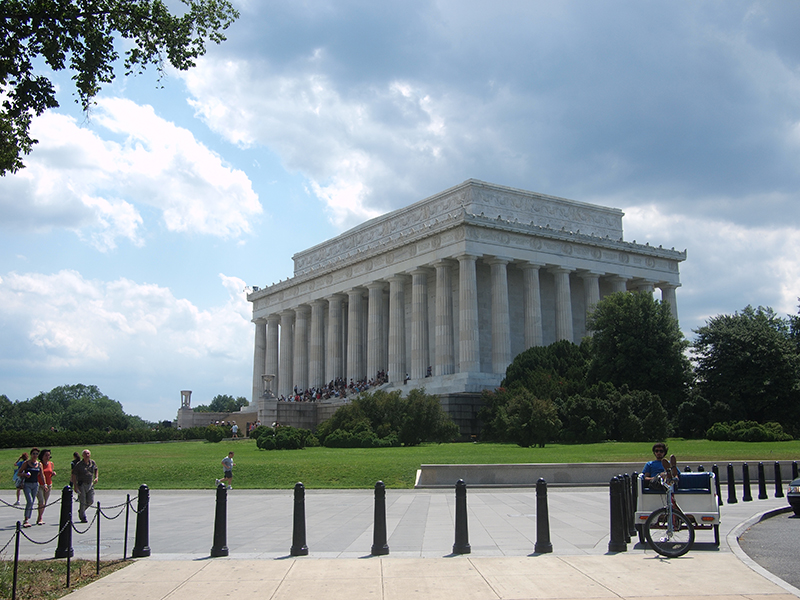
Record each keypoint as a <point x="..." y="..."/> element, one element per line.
<point x="29" y="439"/>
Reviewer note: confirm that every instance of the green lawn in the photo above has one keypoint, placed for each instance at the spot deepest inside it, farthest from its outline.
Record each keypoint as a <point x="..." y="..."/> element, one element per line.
<point x="195" y="465"/>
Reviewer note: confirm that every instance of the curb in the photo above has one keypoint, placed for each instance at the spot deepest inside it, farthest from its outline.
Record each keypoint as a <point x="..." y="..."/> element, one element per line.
<point x="733" y="543"/>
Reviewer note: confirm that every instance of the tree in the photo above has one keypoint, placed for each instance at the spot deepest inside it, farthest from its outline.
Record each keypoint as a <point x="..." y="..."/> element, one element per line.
<point x="638" y="343"/>
<point x="223" y="403"/>
<point x="79" y="35"/>
<point x="748" y="362"/>
<point x="554" y="371"/>
<point x="532" y="420"/>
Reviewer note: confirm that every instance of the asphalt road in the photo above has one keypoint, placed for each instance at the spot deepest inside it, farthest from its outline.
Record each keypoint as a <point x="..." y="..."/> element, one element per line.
<point x="774" y="544"/>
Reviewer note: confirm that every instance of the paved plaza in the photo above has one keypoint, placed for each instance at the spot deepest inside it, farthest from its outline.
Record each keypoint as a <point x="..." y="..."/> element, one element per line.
<point x="420" y="531"/>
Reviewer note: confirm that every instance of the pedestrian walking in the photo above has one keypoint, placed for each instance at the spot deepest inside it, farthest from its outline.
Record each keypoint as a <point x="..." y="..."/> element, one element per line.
<point x="227" y="466"/>
<point x="45" y="484"/>
<point x="18" y="482"/>
<point x="29" y="472"/>
<point x="84" y="475"/>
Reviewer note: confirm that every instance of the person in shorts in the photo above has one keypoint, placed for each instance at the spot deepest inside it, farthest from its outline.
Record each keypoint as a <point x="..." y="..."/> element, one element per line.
<point x="227" y="466"/>
<point x="654" y="468"/>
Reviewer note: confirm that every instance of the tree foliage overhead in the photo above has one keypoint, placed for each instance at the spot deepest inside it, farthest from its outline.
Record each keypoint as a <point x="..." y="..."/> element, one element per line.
<point x="638" y="343"/>
<point x="79" y="35"/>
<point x="747" y="364"/>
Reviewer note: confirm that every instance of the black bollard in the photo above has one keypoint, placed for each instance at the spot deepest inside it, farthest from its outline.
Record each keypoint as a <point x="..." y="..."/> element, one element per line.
<point x="543" y="544"/>
<point x="794" y="469"/>
<point x="634" y="500"/>
<point x="64" y="548"/>
<point x="731" y="485"/>
<point x="778" y="482"/>
<point x="616" y="542"/>
<point x="762" y="482"/>
<point x="299" y="547"/>
<point x="701" y="469"/>
<point x="715" y="470"/>
<point x="461" y="545"/>
<point x="141" y="545"/>
<point x="626" y="506"/>
<point x="687" y="469"/>
<point x="379" y="545"/>
<point x="746" y="494"/>
<point x="220" y="547"/>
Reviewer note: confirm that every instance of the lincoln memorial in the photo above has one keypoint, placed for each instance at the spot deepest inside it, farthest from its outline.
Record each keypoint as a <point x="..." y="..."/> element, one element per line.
<point x="444" y="293"/>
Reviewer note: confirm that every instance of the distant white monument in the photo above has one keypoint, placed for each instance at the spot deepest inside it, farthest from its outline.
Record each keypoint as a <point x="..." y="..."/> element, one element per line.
<point x="447" y="291"/>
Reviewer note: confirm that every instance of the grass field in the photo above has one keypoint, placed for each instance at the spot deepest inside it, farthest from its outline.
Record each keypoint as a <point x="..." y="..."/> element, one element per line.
<point x="195" y="465"/>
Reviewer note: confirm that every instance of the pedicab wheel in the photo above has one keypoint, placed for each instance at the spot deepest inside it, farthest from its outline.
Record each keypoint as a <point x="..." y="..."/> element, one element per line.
<point x="669" y="543"/>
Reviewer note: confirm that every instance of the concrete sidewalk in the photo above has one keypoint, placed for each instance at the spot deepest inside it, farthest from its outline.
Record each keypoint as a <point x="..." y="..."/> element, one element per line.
<point x="420" y="528"/>
<point x="635" y="575"/>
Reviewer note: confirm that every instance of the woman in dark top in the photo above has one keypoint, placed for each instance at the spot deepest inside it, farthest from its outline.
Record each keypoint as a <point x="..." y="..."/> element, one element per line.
<point x="29" y="472"/>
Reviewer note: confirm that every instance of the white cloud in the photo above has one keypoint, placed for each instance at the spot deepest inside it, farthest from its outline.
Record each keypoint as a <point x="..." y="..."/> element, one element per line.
<point x="63" y="320"/>
<point x="729" y="265"/>
<point x="81" y="181"/>
<point x="352" y="146"/>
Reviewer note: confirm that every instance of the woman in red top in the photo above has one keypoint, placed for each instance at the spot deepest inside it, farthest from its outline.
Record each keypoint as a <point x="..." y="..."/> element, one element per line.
<point x="45" y="483"/>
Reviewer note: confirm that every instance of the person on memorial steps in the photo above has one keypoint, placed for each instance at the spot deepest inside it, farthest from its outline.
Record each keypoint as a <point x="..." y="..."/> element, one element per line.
<point x="84" y="475"/>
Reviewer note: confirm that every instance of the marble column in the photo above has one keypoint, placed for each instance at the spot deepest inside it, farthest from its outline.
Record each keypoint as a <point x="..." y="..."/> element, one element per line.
<point x="591" y="293"/>
<point x="532" y="301"/>
<point x="469" y="355"/>
<point x="444" y="362"/>
<point x="645" y="286"/>
<point x="420" y="351"/>
<point x="271" y="367"/>
<point x="563" y="304"/>
<point x="668" y="296"/>
<point x="333" y="360"/>
<point x="619" y="283"/>
<point x="285" y="374"/>
<point x="316" y="359"/>
<point x="397" y="330"/>
<point x="375" y="358"/>
<point x="300" y="365"/>
<point x="501" y="320"/>
<point x="355" y="349"/>
<point x="259" y="358"/>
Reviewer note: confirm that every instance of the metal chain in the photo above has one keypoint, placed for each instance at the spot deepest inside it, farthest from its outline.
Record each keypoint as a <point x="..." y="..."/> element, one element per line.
<point x="3" y="549"/>
<point x="88" y="527"/>
<point x="121" y="510"/>
<point x="27" y="537"/>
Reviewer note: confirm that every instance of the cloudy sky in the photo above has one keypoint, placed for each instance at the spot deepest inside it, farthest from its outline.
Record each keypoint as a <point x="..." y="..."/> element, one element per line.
<point x="127" y="242"/>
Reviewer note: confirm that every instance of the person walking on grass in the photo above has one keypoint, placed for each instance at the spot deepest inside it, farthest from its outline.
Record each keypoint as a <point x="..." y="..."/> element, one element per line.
<point x="227" y="466"/>
<point x="84" y="475"/>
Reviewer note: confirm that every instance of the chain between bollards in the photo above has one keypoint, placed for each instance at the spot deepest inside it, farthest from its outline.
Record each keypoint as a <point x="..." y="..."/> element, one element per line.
<point x="299" y="547"/>
<point x="379" y="545"/>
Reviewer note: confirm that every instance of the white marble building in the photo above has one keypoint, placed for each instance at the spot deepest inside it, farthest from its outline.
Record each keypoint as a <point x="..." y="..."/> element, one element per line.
<point x="456" y="285"/>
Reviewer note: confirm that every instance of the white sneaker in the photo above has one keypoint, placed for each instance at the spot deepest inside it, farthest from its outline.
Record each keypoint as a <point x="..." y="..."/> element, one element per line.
<point x="217" y="480"/>
<point x="16" y="503"/>
<point x="230" y="487"/>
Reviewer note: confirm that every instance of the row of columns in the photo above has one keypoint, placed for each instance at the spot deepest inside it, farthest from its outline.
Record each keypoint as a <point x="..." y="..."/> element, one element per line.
<point x="304" y="359"/>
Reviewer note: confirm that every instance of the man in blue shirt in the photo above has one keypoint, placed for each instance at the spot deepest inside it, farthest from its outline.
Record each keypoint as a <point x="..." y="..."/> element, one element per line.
<point x="659" y="465"/>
